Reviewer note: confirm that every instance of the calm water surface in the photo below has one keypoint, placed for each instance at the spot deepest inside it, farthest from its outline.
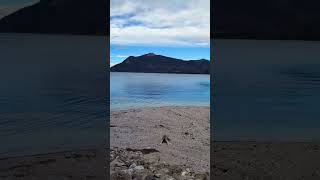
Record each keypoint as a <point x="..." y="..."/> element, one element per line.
<point x="266" y="90"/>
<point x="135" y="90"/>
<point x="53" y="93"/>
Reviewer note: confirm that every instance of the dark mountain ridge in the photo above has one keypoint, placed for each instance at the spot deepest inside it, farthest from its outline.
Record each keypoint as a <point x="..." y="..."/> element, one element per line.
<point x="152" y="63"/>
<point x="80" y="17"/>
<point x="271" y="19"/>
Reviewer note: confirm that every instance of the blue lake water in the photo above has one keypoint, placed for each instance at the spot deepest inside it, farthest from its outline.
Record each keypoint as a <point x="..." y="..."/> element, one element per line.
<point x="266" y="90"/>
<point x="136" y="90"/>
<point x="53" y="93"/>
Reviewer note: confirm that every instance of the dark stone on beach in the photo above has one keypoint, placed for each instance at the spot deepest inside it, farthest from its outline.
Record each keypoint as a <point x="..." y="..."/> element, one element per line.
<point x="119" y="175"/>
<point x="116" y="163"/>
<point x="165" y="139"/>
<point x="150" y="177"/>
<point x="76" y="156"/>
<point x="201" y="177"/>
<point x="47" y="161"/>
<point x="143" y="151"/>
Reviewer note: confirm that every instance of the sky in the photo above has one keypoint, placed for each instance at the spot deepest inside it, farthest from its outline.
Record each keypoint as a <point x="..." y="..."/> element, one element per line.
<point x="9" y="6"/>
<point x="175" y="28"/>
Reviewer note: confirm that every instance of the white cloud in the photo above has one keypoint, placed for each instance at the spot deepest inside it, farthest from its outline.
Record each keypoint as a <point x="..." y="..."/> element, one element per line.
<point x="121" y="56"/>
<point x="165" y="22"/>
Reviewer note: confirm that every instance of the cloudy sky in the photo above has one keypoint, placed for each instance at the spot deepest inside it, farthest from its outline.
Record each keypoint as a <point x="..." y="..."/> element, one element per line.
<point x="177" y="28"/>
<point x="9" y="6"/>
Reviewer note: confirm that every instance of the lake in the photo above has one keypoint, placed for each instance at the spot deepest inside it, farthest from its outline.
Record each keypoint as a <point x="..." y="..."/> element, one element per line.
<point x="53" y="93"/>
<point x="138" y="90"/>
<point x="266" y="90"/>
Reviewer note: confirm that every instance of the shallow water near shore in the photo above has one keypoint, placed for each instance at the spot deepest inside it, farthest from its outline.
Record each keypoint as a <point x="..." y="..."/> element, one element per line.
<point x="138" y="90"/>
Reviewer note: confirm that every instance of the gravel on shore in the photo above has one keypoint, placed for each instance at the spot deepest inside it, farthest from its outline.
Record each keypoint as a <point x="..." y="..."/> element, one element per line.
<point x="177" y="139"/>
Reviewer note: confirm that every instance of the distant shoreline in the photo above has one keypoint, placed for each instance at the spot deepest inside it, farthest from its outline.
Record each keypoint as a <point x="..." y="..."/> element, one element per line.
<point x="156" y="107"/>
<point x="162" y="73"/>
<point x="159" y="73"/>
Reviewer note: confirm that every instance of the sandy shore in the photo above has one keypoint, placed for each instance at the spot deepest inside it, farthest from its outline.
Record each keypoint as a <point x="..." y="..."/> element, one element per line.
<point x="68" y="165"/>
<point x="143" y="129"/>
<point x="137" y="153"/>
<point x="265" y="161"/>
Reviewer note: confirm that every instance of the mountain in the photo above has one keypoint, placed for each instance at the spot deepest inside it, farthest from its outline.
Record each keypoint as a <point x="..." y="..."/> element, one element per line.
<point x="152" y="63"/>
<point x="81" y="17"/>
<point x="269" y="19"/>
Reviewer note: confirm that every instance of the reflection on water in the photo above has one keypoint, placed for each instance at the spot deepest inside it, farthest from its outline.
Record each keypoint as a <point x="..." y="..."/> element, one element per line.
<point x="53" y="93"/>
<point x="266" y="90"/>
<point x="134" y="90"/>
